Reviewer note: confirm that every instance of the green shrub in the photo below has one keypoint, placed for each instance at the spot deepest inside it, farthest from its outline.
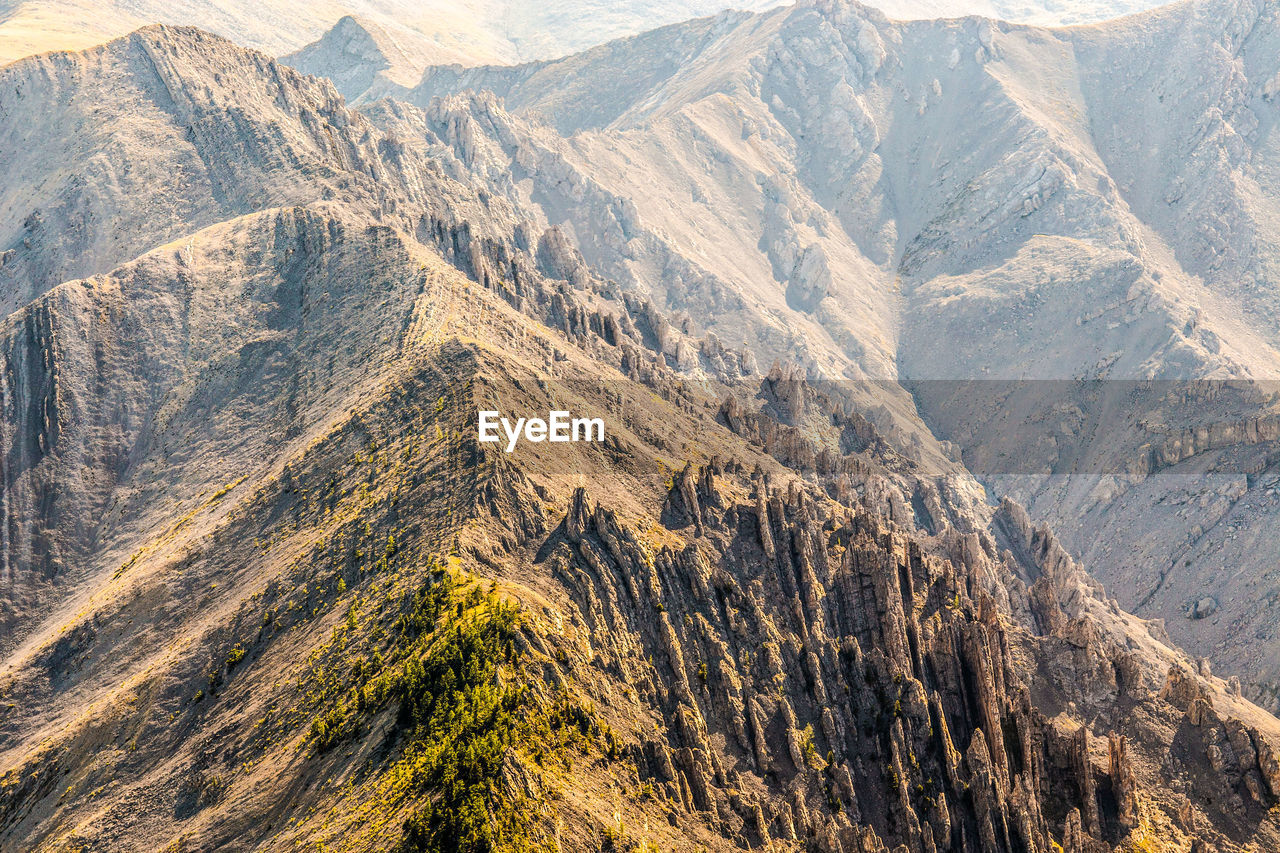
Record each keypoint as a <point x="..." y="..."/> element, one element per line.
<point x="451" y="672"/>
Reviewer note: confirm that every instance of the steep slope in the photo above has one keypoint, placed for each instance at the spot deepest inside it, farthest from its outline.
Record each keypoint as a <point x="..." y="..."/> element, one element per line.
<point x="117" y="150"/>
<point x="192" y="134"/>
<point x="720" y="653"/>
<point x="348" y="53"/>
<point x="973" y="201"/>
<point x="263" y="586"/>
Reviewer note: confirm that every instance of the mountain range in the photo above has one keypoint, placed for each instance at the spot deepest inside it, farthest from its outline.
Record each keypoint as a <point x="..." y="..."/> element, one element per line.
<point x="979" y="209"/>
<point x="467" y="31"/>
<point x="930" y="353"/>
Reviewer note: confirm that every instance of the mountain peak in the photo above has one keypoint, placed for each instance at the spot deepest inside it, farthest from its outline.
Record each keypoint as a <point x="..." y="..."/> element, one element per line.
<point x="358" y="54"/>
<point x="362" y="40"/>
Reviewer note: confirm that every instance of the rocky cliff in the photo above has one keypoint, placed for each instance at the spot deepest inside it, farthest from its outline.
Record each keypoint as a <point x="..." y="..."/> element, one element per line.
<point x="924" y="202"/>
<point x="264" y="588"/>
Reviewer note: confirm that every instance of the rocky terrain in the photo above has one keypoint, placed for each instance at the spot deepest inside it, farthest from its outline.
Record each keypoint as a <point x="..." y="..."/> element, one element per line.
<point x="1071" y="228"/>
<point x="264" y="589"/>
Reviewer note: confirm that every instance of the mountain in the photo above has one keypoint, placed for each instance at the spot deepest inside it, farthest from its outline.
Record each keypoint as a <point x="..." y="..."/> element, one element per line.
<point x="358" y="55"/>
<point x="1060" y="240"/>
<point x="264" y="586"/>
<point x="469" y="31"/>
<point x="450" y="28"/>
<point x="91" y="189"/>
<point x="466" y="31"/>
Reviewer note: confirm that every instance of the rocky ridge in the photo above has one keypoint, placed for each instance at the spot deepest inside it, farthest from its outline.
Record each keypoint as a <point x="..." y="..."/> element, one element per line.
<point x="255" y="555"/>
<point x="952" y="212"/>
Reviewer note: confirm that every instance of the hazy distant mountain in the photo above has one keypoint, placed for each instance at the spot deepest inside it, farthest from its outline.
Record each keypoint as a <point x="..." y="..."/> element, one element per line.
<point x="467" y="31"/>
<point x="1039" y="12"/>
<point x="470" y="31"/>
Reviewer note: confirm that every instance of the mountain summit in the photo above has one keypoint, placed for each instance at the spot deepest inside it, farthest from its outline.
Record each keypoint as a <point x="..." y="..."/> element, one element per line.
<point x="357" y="53"/>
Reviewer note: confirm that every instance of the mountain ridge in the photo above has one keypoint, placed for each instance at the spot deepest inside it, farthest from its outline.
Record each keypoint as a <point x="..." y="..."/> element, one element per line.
<point x="982" y="205"/>
<point x="252" y="522"/>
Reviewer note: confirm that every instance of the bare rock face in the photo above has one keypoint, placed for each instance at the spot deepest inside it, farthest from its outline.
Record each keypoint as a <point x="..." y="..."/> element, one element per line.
<point x="1186" y="692"/>
<point x="1123" y="784"/>
<point x="852" y="261"/>
<point x="922" y="663"/>
<point x="963" y="759"/>
<point x="264" y="587"/>
<point x="559" y="259"/>
<point x="357" y="56"/>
